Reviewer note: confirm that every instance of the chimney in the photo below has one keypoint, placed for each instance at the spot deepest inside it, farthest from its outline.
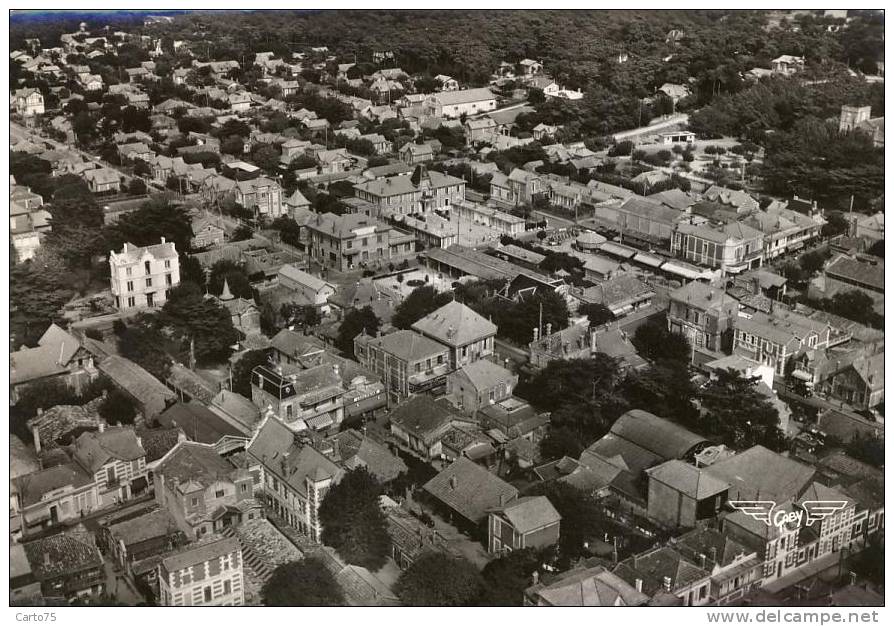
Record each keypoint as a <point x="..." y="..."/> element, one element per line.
<point x="638" y="583"/>
<point x="714" y="554"/>
<point x="36" y="433"/>
<point x="125" y="247"/>
<point x="536" y="334"/>
<point x="453" y="482"/>
<point x="503" y="499"/>
<point x="549" y="328"/>
<point x="667" y="583"/>
<point x="535" y="577"/>
<point x="701" y="559"/>
<point x="853" y="578"/>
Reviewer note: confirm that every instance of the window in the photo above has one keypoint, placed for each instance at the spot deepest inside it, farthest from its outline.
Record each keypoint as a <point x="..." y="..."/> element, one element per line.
<point x="219" y="493"/>
<point x="129" y="272"/>
<point x="244" y="488"/>
<point x="167" y="265"/>
<point x="130" y="285"/>
<point x="148" y="282"/>
<point x="207" y="593"/>
<point x="289" y="410"/>
<point x="148" y="266"/>
<point x="168" y="280"/>
<point x="228" y="587"/>
<point x="194" y="501"/>
<point x="131" y="302"/>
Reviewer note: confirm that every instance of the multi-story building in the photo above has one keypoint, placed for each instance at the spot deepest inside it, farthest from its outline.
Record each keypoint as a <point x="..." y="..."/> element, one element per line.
<point x="115" y="459"/>
<point x="844" y="273"/>
<point x="466" y="334"/>
<point x="453" y="104"/>
<point x="261" y="195"/>
<point x="405" y="360"/>
<point x="774" y="339"/>
<point x="143" y="277"/>
<point x="346" y="241"/>
<point x="503" y="222"/>
<point x="733" y="247"/>
<point x="647" y="221"/>
<point x="300" y="398"/>
<point x="294" y="476"/>
<point x="53" y="495"/>
<point x="204" y="574"/>
<point x="702" y="313"/>
<point x="423" y="191"/>
<point x="29" y="102"/>
<point x="68" y="565"/>
<point x="784" y="230"/>
<point x="310" y="290"/>
<point x="202" y="491"/>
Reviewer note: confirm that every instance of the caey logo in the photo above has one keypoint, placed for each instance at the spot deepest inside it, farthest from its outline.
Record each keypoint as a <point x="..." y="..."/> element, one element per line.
<point x="764" y="511"/>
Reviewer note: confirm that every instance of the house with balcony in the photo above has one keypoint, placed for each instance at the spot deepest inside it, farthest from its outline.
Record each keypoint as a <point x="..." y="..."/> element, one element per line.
<point x="406" y="361"/>
<point x="784" y="230"/>
<point x="665" y="572"/>
<point x="622" y="294"/>
<point x="735" y="568"/>
<point x="732" y="247"/>
<point x="467" y="335"/>
<point x="773" y="339"/>
<point x="203" y="491"/>
<point x="28" y="102"/>
<point x="348" y="241"/>
<point x="293" y="476"/>
<point x="421" y="192"/>
<point x="420" y="424"/>
<point x="704" y="314"/>
<point x="301" y="398"/>
<point x="261" y="195"/>
<point x="142" y="277"/>
<point x="115" y="459"/>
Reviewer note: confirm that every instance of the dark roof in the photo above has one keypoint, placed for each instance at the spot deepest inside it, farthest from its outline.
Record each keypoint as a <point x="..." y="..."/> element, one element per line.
<point x="355" y="449"/>
<point x="63" y="554"/>
<point x="158" y="441"/>
<point x="137" y="382"/>
<point x="421" y="416"/>
<point x="870" y="274"/>
<point x="197" y="462"/>
<point x="652" y="567"/>
<point x="198" y="422"/>
<point x="530" y="513"/>
<point x="656" y="434"/>
<point x="687" y="479"/>
<point x="469" y="489"/>
<point x="32" y="487"/>
<point x="94" y="449"/>
<point x="199" y="553"/>
<point x="153" y="524"/>
<point x="758" y="473"/>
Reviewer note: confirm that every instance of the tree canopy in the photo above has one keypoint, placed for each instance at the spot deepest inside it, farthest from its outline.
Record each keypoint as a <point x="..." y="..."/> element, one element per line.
<point x="302" y="583"/>
<point x="353" y="522"/>
<point x="356" y="321"/>
<point x="438" y="579"/>
<point x="421" y="301"/>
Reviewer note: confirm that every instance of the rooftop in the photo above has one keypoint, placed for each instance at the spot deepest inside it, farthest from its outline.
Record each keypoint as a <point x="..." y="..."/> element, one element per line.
<point x="455" y="324"/>
<point x="469" y="489"/>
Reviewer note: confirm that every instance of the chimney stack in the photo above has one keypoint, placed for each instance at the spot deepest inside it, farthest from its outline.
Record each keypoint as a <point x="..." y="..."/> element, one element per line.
<point x="638" y="583"/>
<point x="102" y="426"/>
<point x="535" y="577"/>
<point x="36" y="433"/>
<point x="453" y="482"/>
<point x="667" y="583"/>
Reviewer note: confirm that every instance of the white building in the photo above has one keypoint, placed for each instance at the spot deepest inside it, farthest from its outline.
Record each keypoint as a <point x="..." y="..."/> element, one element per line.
<point x="204" y="574"/>
<point x="453" y="104"/>
<point x="29" y="102"/>
<point x="142" y="277"/>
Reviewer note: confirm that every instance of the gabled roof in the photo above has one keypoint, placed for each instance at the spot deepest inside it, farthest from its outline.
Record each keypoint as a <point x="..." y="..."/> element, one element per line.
<point x="469" y="489"/>
<point x="408" y="345"/>
<point x="687" y="479"/>
<point x="54" y="350"/>
<point x="759" y="473"/>
<point x="422" y="416"/>
<point x="530" y="513"/>
<point x="199" y="463"/>
<point x="455" y="324"/>
<point x="117" y="443"/>
<point x="32" y="487"/>
<point x="198" y="422"/>
<point x="594" y="586"/>
<point x="314" y="283"/>
<point x="63" y="554"/>
<point x="463" y="96"/>
<point x="484" y="374"/>
<point x="652" y="568"/>
<point x="355" y="449"/>
<point x="194" y="554"/>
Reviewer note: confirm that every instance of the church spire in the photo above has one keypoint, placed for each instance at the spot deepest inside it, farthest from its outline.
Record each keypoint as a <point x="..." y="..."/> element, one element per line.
<point x="225" y="294"/>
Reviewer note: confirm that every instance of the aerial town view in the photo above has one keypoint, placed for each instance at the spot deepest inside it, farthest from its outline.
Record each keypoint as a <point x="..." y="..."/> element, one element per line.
<point x="429" y="307"/>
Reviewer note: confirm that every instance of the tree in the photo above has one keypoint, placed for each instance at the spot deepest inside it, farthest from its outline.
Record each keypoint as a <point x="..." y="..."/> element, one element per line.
<point x="243" y="368"/>
<point x="812" y="262"/>
<point x="868" y="449"/>
<point x="136" y="187"/>
<point x="156" y="218"/>
<point x="438" y="579"/>
<point x="242" y="233"/>
<point x="305" y="315"/>
<point x="664" y="388"/>
<point x="201" y="325"/>
<point x="302" y="583"/>
<point x="142" y="342"/>
<point x="737" y="414"/>
<point x="835" y="224"/>
<point x="655" y="341"/>
<point x="421" y="301"/>
<point x="355" y="322"/>
<point x="505" y="579"/>
<point x="44" y="394"/>
<point x="237" y="279"/>
<point x="117" y="408"/>
<point x="353" y="522"/>
<point x="597" y="314"/>
<point x="561" y="442"/>
<point x="582" y="518"/>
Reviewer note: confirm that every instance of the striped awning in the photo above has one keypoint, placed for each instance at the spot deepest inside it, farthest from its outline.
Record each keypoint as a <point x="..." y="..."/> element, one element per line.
<point x="319" y="422"/>
<point x="648" y="259"/>
<point x="616" y="249"/>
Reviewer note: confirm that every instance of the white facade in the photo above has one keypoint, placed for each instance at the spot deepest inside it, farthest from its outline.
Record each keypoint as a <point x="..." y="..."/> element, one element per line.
<point x="142" y="277"/>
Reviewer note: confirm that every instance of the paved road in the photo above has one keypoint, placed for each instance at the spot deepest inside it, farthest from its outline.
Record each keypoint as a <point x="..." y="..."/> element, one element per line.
<point x="34" y="136"/>
<point x="673" y="120"/>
